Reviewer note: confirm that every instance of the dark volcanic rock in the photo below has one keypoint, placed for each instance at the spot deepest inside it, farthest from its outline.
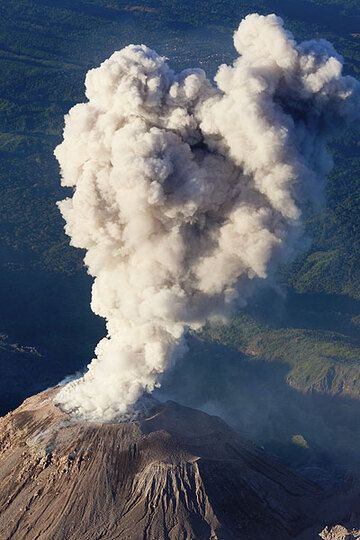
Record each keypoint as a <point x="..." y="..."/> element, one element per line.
<point x="175" y="473"/>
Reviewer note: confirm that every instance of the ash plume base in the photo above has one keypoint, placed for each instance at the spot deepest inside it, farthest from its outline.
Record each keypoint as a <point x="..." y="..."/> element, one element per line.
<point x="144" y="407"/>
<point x="188" y="194"/>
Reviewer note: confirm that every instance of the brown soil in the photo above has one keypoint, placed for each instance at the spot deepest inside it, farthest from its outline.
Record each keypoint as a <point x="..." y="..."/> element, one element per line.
<point x="176" y="473"/>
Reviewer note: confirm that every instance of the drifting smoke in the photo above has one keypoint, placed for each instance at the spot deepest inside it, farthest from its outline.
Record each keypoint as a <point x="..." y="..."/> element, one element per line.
<point x="186" y="194"/>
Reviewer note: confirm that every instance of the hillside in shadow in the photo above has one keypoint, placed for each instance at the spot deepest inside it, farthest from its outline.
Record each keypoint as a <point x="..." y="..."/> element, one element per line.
<point x="317" y="434"/>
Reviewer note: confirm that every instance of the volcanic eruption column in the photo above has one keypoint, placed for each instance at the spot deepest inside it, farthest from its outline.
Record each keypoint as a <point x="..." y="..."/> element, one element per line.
<point x="186" y="194"/>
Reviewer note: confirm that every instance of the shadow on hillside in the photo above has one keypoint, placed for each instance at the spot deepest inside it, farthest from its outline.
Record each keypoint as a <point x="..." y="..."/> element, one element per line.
<point x="329" y="312"/>
<point x="50" y="312"/>
<point x="253" y="396"/>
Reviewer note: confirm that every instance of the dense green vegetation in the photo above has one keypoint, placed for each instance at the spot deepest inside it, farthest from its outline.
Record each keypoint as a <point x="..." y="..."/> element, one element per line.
<point x="332" y="265"/>
<point x="316" y="360"/>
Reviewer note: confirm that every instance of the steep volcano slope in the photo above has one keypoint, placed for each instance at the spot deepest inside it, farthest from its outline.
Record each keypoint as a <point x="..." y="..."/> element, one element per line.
<point x="176" y="473"/>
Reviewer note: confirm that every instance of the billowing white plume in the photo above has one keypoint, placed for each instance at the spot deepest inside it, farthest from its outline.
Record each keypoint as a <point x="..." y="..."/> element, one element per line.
<point x="186" y="194"/>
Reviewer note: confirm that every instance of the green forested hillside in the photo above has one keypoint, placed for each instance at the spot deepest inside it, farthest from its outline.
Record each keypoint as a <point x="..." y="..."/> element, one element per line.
<point x="332" y="265"/>
<point x="315" y="360"/>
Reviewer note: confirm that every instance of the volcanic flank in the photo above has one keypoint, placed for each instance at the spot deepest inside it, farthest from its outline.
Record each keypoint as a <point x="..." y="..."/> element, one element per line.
<point x="172" y="473"/>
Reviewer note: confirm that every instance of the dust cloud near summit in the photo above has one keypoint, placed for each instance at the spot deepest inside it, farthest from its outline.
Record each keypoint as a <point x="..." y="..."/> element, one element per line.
<point x="187" y="193"/>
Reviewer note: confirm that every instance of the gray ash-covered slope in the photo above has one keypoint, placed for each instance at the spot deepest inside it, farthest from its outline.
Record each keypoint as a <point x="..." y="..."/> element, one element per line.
<point x="174" y="473"/>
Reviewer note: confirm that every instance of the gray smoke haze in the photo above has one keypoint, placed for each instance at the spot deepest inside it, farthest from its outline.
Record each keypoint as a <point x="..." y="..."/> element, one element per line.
<point x="187" y="194"/>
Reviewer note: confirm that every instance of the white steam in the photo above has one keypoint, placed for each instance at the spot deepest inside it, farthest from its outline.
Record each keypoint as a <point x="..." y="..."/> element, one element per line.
<point x="186" y="194"/>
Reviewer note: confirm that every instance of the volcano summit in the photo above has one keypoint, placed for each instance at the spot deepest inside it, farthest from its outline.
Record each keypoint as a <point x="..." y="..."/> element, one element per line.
<point x="172" y="473"/>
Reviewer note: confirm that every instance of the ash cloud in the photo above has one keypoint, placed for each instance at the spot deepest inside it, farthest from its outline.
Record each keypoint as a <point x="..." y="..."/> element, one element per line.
<point x="187" y="194"/>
